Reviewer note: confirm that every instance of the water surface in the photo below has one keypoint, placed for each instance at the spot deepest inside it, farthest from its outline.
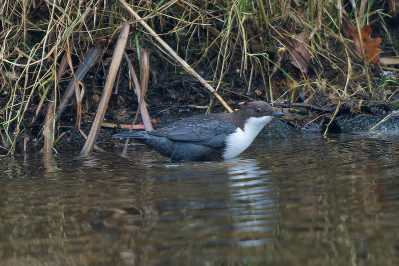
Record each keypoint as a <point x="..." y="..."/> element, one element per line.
<point x="299" y="200"/>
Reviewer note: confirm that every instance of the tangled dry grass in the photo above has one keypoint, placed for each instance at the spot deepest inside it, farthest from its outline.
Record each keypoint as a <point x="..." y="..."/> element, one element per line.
<point x="246" y="48"/>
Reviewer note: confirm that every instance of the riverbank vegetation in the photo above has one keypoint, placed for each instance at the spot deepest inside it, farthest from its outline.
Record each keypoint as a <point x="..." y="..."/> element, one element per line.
<point x="58" y="62"/>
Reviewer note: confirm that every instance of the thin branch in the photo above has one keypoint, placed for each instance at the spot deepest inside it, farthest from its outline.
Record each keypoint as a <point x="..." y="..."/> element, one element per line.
<point x="304" y="105"/>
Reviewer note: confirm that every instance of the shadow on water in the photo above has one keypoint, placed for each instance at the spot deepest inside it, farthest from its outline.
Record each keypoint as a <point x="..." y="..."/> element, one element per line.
<point x="302" y="200"/>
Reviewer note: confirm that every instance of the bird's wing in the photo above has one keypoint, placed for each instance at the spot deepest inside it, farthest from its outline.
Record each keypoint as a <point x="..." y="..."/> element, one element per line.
<point x="204" y="130"/>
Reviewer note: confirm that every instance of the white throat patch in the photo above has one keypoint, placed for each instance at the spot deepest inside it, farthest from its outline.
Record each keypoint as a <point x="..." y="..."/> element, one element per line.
<point x="240" y="140"/>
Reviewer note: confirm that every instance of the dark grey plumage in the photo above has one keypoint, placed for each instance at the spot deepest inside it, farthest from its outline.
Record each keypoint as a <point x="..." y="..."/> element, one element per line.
<point x="201" y="137"/>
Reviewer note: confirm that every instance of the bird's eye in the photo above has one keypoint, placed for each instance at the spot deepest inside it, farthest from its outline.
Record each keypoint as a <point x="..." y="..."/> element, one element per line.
<point x="258" y="110"/>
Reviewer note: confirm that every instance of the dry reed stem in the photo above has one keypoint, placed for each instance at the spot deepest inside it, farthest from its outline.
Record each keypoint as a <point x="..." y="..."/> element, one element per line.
<point x="102" y="107"/>
<point x="140" y="91"/>
<point x="318" y="20"/>
<point x="359" y="33"/>
<point x="386" y="118"/>
<point x="48" y="130"/>
<point x="60" y="72"/>
<point x="139" y="98"/>
<point x="194" y="17"/>
<point x="78" y="95"/>
<point x="332" y="118"/>
<point x="183" y="63"/>
<point x="145" y="76"/>
<point x="91" y="57"/>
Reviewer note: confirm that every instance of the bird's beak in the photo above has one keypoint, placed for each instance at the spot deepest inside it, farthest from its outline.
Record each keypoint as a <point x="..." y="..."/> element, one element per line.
<point x="275" y="113"/>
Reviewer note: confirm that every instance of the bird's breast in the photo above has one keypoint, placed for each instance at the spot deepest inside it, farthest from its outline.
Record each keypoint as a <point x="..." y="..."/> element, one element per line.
<point x="239" y="140"/>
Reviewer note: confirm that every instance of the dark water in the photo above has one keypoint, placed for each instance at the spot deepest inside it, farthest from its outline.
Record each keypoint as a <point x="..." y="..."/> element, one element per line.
<point x="299" y="200"/>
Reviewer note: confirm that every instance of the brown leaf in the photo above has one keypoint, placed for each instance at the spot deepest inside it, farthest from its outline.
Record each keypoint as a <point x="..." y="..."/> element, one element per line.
<point x="371" y="50"/>
<point x="299" y="53"/>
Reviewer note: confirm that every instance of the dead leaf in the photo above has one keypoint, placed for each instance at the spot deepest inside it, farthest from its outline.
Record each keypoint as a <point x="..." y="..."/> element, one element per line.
<point x="371" y="50"/>
<point x="299" y="53"/>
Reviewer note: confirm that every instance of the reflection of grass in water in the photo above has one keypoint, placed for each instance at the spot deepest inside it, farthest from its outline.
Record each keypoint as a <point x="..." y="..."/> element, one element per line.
<point x="51" y="219"/>
<point x="326" y="212"/>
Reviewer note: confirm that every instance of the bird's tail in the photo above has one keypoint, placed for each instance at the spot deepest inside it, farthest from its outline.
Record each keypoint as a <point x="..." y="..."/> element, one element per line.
<point x="130" y="135"/>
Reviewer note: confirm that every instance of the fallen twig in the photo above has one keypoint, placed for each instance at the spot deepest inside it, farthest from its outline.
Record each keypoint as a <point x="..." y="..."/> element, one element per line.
<point x="125" y="126"/>
<point x="304" y="105"/>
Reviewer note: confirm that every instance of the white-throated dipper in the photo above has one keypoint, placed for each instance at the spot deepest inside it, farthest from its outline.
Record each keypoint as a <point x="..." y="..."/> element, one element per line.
<point x="210" y="136"/>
